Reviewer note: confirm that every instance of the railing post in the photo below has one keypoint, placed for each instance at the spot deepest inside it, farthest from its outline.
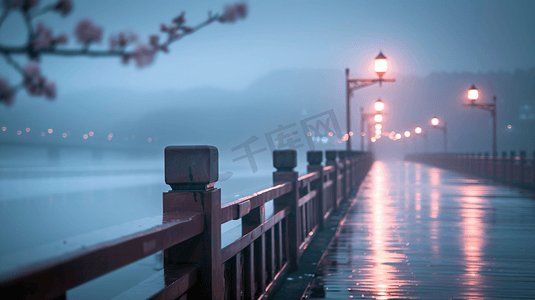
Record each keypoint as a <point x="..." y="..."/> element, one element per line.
<point x="343" y="157"/>
<point x="285" y="161"/>
<point x="522" y="165"/>
<point x="504" y="165"/>
<point x="331" y="161"/>
<point x="494" y="165"/>
<point x="486" y="164"/>
<point x="315" y="159"/>
<point x="512" y="165"/>
<point x="480" y="165"/>
<point x="192" y="171"/>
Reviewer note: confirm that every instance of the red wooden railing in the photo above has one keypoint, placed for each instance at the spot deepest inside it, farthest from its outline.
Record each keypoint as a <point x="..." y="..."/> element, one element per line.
<point x="189" y="233"/>
<point x="512" y="169"/>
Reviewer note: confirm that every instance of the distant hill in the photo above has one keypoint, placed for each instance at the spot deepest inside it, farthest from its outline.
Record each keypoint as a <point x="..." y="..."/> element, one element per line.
<point x="226" y="118"/>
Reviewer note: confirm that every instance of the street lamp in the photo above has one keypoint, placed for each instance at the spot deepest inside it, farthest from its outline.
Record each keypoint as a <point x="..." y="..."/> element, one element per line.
<point x="378" y="118"/>
<point x="419" y="132"/>
<point x="379" y="106"/>
<point x="473" y="95"/>
<point x="381" y="65"/>
<point x="435" y="121"/>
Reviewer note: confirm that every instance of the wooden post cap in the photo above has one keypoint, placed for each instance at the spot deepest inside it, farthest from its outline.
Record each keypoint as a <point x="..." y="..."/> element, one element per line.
<point x="513" y="154"/>
<point x="523" y="153"/>
<point x="191" y="167"/>
<point x="314" y="157"/>
<point x="285" y="160"/>
<point x="504" y="153"/>
<point x="331" y="154"/>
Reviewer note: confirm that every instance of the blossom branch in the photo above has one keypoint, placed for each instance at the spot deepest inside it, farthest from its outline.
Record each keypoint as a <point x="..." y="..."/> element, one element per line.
<point x="42" y="42"/>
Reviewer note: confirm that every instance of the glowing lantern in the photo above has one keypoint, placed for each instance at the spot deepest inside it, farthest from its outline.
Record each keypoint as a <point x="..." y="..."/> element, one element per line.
<point x="473" y="93"/>
<point x="379" y="105"/>
<point x="418" y="130"/>
<point x="434" y="121"/>
<point x="373" y="139"/>
<point x="380" y="64"/>
<point x="407" y="134"/>
<point x="378" y="118"/>
<point x="378" y="126"/>
<point x="398" y="136"/>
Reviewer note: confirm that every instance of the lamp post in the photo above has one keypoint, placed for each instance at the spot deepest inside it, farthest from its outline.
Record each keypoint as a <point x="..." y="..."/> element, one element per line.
<point x="379" y="106"/>
<point x="419" y="132"/>
<point x="435" y="121"/>
<point x="473" y="95"/>
<point x="355" y="84"/>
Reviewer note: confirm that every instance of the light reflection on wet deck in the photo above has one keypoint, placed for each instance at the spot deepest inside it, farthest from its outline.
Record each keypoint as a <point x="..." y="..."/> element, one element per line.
<point x="417" y="232"/>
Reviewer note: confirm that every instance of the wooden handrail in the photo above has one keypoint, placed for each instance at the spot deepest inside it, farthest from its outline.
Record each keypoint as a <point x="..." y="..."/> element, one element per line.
<point x="511" y="169"/>
<point x="88" y="256"/>
<point x="308" y="178"/>
<point x="237" y="209"/>
<point x="189" y="233"/>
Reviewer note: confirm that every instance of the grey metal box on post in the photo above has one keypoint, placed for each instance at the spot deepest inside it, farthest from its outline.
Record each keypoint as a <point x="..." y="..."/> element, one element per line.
<point x="192" y="171"/>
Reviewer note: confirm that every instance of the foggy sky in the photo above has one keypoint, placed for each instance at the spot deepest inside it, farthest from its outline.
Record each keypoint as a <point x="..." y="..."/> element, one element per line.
<point x="418" y="37"/>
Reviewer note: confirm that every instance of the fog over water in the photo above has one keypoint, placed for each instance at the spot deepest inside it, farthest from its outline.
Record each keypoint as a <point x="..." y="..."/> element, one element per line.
<point x="280" y="70"/>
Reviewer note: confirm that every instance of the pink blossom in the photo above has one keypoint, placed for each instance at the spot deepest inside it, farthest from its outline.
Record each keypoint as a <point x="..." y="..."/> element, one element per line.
<point x="153" y="40"/>
<point x="32" y="71"/>
<point x="113" y="42"/>
<point x="187" y="29"/>
<point x="233" y="12"/>
<point x="49" y="88"/>
<point x="6" y="92"/>
<point x="172" y="29"/>
<point x="177" y="35"/>
<point x="43" y="37"/>
<point x="64" y="6"/>
<point x="163" y="28"/>
<point x="164" y="48"/>
<point x="144" y="55"/>
<point x="61" y="39"/>
<point x="180" y="19"/>
<point x="122" y="39"/>
<point x="86" y="32"/>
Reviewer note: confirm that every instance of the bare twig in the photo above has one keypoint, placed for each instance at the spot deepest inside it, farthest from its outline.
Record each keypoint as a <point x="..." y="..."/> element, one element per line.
<point x="3" y="17"/>
<point x="43" y="10"/>
<point x="13" y="63"/>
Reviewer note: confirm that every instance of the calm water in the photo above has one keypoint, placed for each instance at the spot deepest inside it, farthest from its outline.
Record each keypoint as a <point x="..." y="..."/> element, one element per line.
<point x="43" y="204"/>
<point x="417" y="232"/>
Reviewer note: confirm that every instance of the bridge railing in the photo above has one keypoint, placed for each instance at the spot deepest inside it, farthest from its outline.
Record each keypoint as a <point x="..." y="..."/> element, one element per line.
<point x="510" y="169"/>
<point x="189" y="233"/>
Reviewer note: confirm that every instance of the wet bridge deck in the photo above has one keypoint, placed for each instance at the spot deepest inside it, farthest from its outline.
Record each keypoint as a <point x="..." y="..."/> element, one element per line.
<point x="418" y="232"/>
